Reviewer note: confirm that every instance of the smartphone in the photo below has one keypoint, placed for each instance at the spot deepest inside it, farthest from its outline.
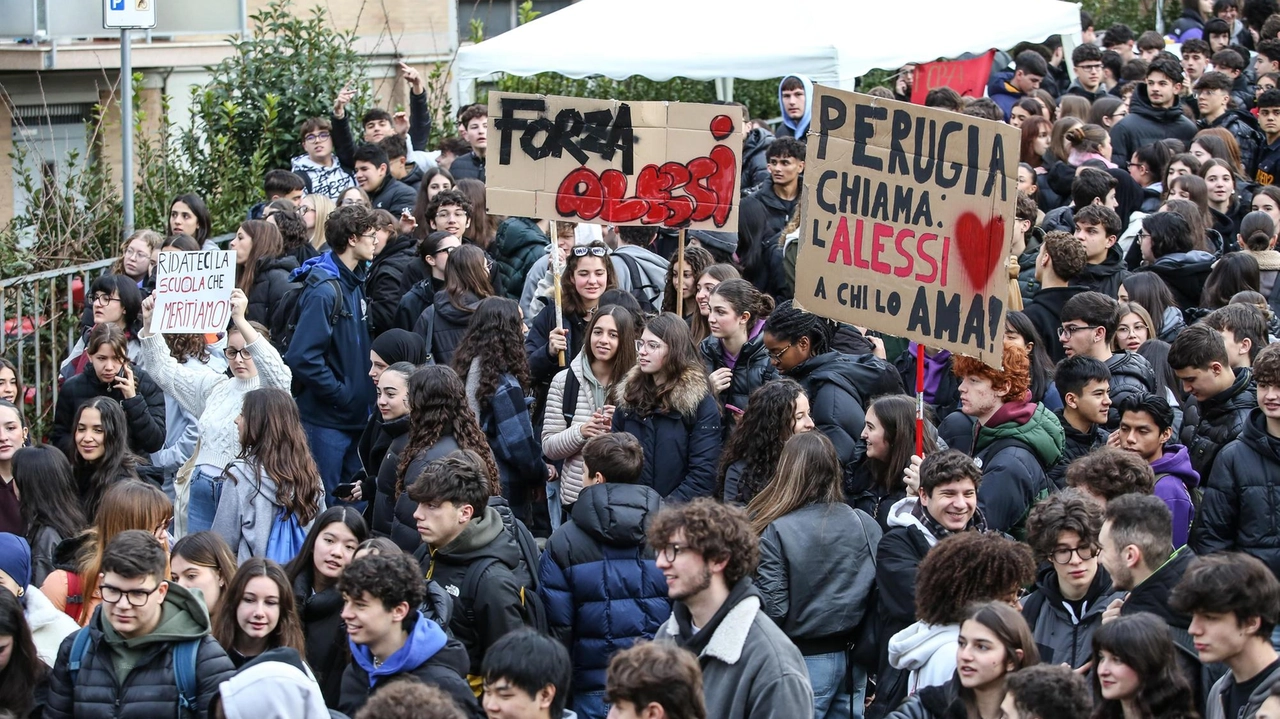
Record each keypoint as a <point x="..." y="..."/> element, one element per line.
<point x="344" y="491"/>
<point x="733" y="409"/>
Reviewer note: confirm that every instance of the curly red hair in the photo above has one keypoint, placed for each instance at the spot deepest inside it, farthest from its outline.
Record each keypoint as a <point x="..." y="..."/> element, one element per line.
<point x="1016" y="372"/>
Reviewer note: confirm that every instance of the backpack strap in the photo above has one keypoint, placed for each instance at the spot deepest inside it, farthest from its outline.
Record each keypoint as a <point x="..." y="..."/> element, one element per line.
<point x="471" y="586"/>
<point x="184" y="675"/>
<point x="569" y="405"/>
<point x="79" y="648"/>
<point x="339" y="306"/>
<point x="431" y="333"/>
<point x="75" y="596"/>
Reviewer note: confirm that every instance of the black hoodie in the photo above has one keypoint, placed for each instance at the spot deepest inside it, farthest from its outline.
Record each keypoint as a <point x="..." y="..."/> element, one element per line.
<point x="1078" y="444"/>
<point x="1209" y="425"/>
<point x="382" y="284"/>
<point x="755" y="169"/>
<point x="1185" y="273"/>
<point x="443" y="325"/>
<point x="1104" y="277"/>
<point x="1146" y="124"/>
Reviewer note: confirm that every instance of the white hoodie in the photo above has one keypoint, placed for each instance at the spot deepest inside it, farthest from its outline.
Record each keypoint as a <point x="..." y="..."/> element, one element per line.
<point x="928" y="651"/>
<point x="901" y="514"/>
<point x="272" y="690"/>
<point x="49" y="626"/>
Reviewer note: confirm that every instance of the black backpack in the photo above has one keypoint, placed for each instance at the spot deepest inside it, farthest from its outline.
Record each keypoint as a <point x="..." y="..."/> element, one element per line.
<point x="640" y="284"/>
<point x="532" y="611"/>
<point x="284" y="319"/>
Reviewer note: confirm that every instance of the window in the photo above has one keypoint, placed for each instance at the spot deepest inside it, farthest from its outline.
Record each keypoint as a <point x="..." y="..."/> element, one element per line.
<point x="498" y="16"/>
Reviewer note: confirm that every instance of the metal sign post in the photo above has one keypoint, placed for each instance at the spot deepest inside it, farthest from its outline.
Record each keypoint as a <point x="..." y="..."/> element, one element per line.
<point x="127" y="15"/>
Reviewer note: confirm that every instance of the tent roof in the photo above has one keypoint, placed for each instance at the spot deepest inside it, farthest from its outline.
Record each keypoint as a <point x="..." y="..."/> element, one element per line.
<point x="831" y="41"/>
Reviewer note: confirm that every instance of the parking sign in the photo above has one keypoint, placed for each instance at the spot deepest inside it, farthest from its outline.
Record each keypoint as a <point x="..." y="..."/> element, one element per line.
<point x="123" y="14"/>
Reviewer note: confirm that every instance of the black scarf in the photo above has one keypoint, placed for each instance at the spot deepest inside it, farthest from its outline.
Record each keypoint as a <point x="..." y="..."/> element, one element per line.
<point x="934" y="527"/>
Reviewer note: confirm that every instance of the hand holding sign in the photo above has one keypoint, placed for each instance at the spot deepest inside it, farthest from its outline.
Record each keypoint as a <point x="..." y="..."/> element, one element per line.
<point x="193" y="292"/>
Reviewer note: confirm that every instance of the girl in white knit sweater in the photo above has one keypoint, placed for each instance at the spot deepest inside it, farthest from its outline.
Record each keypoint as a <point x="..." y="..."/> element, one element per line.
<point x="215" y="400"/>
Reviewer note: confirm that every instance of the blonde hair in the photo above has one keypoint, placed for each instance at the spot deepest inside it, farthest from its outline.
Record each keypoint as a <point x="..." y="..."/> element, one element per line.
<point x="154" y="241"/>
<point x="323" y="207"/>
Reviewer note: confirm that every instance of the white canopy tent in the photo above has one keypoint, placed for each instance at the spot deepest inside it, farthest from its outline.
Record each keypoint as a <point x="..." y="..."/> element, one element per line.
<point x="831" y="41"/>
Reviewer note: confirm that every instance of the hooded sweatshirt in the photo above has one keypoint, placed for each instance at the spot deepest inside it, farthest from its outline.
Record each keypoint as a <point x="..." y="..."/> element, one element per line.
<point x="1175" y="480"/>
<point x="927" y="651"/>
<point x="1003" y="93"/>
<point x="272" y="690"/>
<point x="1014" y="477"/>
<point x="427" y="655"/>
<point x="1146" y="124"/>
<point x="1104" y="277"/>
<point x="789" y="126"/>
<point x="182" y="617"/>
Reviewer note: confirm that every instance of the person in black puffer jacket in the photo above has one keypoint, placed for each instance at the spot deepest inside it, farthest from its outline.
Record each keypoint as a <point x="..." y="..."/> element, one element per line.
<point x="314" y="574"/>
<point x="382" y="284"/>
<point x="518" y="244"/>
<point x="144" y="409"/>
<point x="738" y="313"/>
<point x="443" y="323"/>
<point x="1131" y="374"/>
<point x="148" y="689"/>
<point x="1168" y="251"/>
<point x="1237" y="513"/>
<point x="1152" y="119"/>
<point x="755" y="169"/>
<point x="262" y="267"/>
<point x="1220" y="399"/>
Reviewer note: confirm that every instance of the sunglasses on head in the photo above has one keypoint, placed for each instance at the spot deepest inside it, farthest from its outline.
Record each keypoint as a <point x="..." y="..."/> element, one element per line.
<point x="593" y="251"/>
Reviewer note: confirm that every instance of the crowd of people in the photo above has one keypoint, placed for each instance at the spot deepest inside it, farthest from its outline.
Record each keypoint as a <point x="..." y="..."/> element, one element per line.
<point x="446" y="464"/>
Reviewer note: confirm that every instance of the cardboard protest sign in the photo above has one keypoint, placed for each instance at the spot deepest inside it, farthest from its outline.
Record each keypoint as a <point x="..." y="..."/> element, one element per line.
<point x="660" y="164"/>
<point x="193" y="292"/>
<point x="908" y="219"/>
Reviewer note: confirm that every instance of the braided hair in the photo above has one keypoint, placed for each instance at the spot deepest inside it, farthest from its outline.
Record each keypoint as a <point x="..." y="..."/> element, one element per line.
<point x="788" y="323"/>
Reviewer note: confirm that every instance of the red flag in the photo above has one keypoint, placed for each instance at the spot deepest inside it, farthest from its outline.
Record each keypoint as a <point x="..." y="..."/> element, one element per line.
<point x="967" y="77"/>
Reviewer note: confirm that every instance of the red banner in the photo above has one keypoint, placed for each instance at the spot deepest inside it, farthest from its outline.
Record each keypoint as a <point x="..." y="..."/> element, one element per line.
<point x="967" y="77"/>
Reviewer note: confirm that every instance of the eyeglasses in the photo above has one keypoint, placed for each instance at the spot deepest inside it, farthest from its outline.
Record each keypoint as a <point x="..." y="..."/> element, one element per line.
<point x="1139" y="327"/>
<point x="348" y="201"/>
<point x="446" y="250"/>
<point x="1138" y="165"/>
<point x="369" y="236"/>
<point x="1090" y="67"/>
<point x="302" y="211"/>
<point x="670" y="552"/>
<point x="1062" y="555"/>
<point x="651" y="345"/>
<point x="776" y="355"/>
<point x="232" y="353"/>
<point x="104" y="299"/>
<point x="457" y="215"/>
<point x="1067" y="330"/>
<point x="137" y="255"/>
<point x="316" y="137"/>
<point x="135" y="597"/>
<point x="593" y="251"/>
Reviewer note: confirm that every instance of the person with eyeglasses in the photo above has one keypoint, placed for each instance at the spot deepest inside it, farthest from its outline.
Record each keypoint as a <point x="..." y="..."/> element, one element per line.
<point x="1087" y="61"/>
<point x="215" y="401"/>
<point x="1071" y="590"/>
<point x="708" y="553"/>
<point x="318" y="164"/>
<point x="127" y="666"/>
<point x="1088" y="324"/>
<point x="111" y="299"/>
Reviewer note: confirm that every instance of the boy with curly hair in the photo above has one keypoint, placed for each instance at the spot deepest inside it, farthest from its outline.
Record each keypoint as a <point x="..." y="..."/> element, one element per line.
<point x="390" y="638"/>
<point x="708" y="554"/>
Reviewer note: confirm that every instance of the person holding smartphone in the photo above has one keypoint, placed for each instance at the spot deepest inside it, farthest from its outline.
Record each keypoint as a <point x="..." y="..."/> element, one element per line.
<point x="109" y="373"/>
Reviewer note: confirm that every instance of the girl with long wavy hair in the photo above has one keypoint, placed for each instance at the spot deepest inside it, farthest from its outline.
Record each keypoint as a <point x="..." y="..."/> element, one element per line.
<point x="588" y="273"/>
<point x="890" y="436"/>
<point x="22" y="673"/>
<point x="696" y="259"/>
<point x="665" y="401"/>
<point x="607" y="355"/>
<point x="203" y="561"/>
<point x="13" y="435"/>
<point x="778" y="410"/>
<point x="314" y="573"/>
<point x="1136" y="674"/>
<point x="132" y="504"/>
<point x="707" y="281"/>
<point x="445" y="320"/>
<point x="215" y="400"/>
<point x="262" y="268"/>
<point x="817" y="566"/>
<point x="274" y="474"/>
<point x="440" y="422"/>
<point x="51" y="511"/>
<point x="491" y="362"/>
<point x="101" y="457"/>
<point x="258" y="613"/>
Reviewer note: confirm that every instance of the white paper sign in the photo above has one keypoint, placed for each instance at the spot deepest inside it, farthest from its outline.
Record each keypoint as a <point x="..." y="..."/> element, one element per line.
<point x="193" y="292"/>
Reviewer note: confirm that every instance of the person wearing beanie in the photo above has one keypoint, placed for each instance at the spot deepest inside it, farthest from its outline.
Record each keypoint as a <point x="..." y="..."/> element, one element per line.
<point x="721" y="245"/>
<point x="48" y="625"/>
<point x="394" y="345"/>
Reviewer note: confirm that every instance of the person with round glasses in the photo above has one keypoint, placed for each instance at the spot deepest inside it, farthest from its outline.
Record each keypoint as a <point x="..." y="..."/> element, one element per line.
<point x="215" y="401"/>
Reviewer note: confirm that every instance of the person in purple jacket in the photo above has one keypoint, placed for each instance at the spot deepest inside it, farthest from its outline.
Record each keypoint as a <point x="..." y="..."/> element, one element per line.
<point x="1146" y="427"/>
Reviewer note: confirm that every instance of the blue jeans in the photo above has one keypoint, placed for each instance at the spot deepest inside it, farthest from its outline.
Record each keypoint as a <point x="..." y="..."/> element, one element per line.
<point x="832" y="696"/>
<point x="336" y="452"/>
<point x="206" y="490"/>
<point x="590" y="705"/>
<point x="554" y="509"/>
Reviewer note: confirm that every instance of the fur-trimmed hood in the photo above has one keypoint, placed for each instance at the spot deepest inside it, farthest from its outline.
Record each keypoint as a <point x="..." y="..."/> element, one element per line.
<point x="682" y="399"/>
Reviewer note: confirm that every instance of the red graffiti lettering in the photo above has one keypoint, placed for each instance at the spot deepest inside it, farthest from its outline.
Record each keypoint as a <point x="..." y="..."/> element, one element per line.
<point x="670" y="195"/>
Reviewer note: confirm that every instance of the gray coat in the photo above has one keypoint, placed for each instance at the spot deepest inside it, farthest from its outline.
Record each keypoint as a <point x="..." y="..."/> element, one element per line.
<point x="817" y="569"/>
<point x="1213" y="703"/>
<point x="749" y="667"/>
<point x="1063" y="639"/>
<point x="247" y="510"/>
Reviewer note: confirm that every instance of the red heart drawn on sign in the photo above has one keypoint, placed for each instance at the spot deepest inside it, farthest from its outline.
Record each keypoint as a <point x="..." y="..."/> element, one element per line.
<point x="979" y="246"/>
